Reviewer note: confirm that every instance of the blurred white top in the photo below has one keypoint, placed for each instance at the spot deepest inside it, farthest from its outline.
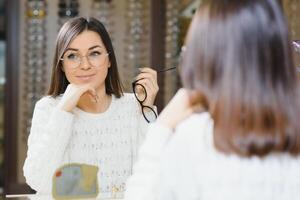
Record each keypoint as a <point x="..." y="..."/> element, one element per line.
<point x="186" y="166"/>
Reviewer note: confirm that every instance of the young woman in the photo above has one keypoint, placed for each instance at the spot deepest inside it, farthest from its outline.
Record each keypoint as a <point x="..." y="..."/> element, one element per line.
<point x="86" y="118"/>
<point x="246" y="145"/>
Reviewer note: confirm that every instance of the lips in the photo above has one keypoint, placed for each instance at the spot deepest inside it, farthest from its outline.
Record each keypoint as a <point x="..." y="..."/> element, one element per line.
<point x="85" y="77"/>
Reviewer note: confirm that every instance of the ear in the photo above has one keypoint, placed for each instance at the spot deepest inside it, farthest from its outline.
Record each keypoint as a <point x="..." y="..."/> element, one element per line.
<point x="109" y="64"/>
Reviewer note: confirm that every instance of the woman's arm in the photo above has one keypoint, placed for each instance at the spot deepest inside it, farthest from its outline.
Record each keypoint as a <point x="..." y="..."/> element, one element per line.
<point x="49" y="136"/>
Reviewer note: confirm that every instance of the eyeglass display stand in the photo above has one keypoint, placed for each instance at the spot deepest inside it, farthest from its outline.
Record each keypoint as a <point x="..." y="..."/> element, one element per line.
<point x="33" y="75"/>
<point x="137" y="42"/>
<point x="171" y="47"/>
<point x="67" y="9"/>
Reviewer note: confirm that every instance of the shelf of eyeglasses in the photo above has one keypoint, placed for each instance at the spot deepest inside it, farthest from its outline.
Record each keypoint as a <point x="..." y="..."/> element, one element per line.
<point x="68" y="9"/>
<point x="142" y="14"/>
<point x="36" y="9"/>
<point x="105" y="6"/>
<point x="32" y="78"/>
<point x="35" y="49"/>
<point x="34" y="64"/>
<point x="136" y="44"/>
<point x="35" y="25"/>
<point x="135" y="48"/>
<point x="34" y="67"/>
<point x="36" y="80"/>
<point x="33" y="90"/>
<point x="30" y="83"/>
<point x="136" y="61"/>
<point x="35" y="31"/>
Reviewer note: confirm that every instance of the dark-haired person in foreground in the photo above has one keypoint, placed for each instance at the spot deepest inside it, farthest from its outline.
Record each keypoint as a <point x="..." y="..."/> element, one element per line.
<point x="238" y="68"/>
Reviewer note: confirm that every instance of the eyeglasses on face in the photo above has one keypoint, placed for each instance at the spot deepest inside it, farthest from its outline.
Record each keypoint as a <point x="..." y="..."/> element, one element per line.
<point x="73" y="60"/>
<point x="140" y="94"/>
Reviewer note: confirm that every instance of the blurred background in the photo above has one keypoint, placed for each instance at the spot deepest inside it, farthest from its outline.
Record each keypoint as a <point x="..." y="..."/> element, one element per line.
<point x="144" y="33"/>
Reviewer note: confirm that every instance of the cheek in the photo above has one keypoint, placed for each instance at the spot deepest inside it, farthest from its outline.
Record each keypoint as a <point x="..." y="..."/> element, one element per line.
<point x="70" y="76"/>
<point x="100" y="77"/>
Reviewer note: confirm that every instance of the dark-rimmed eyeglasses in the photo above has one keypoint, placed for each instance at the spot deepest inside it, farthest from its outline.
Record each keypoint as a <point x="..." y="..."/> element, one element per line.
<point x="140" y="94"/>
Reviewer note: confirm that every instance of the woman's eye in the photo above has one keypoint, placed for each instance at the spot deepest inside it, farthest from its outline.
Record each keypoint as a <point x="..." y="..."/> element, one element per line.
<point x="95" y="53"/>
<point x="72" y="56"/>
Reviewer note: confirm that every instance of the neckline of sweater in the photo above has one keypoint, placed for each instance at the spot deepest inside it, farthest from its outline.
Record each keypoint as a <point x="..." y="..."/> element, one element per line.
<point x="102" y="114"/>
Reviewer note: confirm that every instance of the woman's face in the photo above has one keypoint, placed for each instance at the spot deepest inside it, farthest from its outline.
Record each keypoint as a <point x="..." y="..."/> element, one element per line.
<point x="86" y="60"/>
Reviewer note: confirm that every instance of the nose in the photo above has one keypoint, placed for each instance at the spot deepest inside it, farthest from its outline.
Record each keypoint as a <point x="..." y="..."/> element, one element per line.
<point x="84" y="63"/>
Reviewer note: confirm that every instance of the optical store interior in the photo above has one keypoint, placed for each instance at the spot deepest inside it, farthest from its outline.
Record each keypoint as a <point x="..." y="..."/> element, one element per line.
<point x="144" y="33"/>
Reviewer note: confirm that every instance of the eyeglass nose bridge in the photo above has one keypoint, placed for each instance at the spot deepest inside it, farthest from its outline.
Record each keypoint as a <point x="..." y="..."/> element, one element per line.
<point x="80" y="60"/>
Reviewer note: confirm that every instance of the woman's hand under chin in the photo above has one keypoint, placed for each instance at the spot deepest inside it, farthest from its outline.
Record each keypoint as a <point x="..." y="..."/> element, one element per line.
<point x="72" y="95"/>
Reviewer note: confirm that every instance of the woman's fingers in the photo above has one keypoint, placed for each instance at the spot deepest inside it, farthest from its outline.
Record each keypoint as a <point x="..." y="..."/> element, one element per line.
<point x="149" y="74"/>
<point x="148" y="70"/>
<point x="148" y="79"/>
<point x="91" y="92"/>
<point x="151" y="92"/>
<point x="147" y="84"/>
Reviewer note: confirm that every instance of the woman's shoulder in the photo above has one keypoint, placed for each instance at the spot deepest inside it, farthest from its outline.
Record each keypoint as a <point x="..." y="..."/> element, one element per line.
<point x="196" y="133"/>
<point x="48" y="101"/>
<point x="198" y="126"/>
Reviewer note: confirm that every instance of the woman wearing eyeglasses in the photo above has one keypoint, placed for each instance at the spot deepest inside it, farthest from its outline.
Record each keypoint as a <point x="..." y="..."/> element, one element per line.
<point x="245" y="144"/>
<point x="86" y="117"/>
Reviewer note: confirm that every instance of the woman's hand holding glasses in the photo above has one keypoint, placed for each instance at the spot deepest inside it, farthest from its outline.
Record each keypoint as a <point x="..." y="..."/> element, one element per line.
<point x="148" y="78"/>
<point x="145" y="89"/>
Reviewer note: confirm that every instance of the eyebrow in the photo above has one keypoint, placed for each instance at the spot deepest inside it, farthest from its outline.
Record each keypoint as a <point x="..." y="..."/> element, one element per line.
<point x="93" y="47"/>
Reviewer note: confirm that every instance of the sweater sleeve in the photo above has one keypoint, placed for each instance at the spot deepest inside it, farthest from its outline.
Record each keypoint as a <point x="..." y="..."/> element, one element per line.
<point x="49" y="136"/>
<point x="142" y="184"/>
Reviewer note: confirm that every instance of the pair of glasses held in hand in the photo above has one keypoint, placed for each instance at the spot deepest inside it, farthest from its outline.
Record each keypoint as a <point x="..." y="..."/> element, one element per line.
<point x="140" y="94"/>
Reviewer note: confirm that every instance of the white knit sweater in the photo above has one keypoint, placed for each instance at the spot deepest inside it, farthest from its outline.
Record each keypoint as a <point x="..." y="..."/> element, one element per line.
<point x="108" y="140"/>
<point x="186" y="166"/>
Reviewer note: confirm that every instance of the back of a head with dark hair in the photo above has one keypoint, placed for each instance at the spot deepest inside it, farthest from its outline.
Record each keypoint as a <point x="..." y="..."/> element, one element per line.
<point x="239" y="58"/>
<point x="68" y="32"/>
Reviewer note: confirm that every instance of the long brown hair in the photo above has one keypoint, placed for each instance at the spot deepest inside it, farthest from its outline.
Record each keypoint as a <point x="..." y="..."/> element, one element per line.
<point x="238" y="56"/>
<point x="67" y="33"/>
